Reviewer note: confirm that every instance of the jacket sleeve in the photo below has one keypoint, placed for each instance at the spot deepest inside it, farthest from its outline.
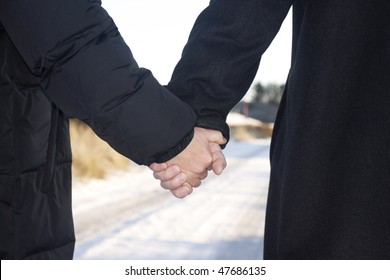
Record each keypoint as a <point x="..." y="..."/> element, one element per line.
<point x="88" y="71"/>
<point x="222" y="55"/>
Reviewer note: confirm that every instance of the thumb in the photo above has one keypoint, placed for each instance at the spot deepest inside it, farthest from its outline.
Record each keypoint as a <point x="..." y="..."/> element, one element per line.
<point x="214" y="136"/>
<point x="157" y="167"/>
<point x="219" y="161"/>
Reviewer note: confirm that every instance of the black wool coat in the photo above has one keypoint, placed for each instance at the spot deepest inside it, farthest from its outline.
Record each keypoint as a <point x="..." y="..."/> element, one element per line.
<point x="61" y="59"/>
<point x="329" y="193"/>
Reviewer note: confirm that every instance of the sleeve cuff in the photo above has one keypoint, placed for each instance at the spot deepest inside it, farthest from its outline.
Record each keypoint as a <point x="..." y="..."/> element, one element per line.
<point x="215" y="124"/>
<point x="177" y="149"/>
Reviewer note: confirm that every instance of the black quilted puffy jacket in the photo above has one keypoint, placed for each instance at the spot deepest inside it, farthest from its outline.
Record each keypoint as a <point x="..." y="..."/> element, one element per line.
<point x="61" y="59"/>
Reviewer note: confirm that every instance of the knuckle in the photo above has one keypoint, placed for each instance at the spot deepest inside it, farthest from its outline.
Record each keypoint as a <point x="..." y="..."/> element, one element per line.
<point x="196" y="183"/>
<point x="163" y="185"/>
<point x="166" y="185"/>
<point x="177" y="195"/>
<point x="203" y="175"/>
<point x="199" y="169"/>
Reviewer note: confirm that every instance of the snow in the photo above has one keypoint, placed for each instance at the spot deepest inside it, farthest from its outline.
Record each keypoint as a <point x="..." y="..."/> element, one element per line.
<point x="236" y="119"/>
<point x="129" y="216"/>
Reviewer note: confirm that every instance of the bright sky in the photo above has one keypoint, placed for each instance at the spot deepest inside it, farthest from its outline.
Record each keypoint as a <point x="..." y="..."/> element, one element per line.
<point x="156" y="32"/>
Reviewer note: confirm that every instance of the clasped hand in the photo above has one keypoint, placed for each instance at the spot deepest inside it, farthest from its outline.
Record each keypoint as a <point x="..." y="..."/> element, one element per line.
<point x="186" y="171"/>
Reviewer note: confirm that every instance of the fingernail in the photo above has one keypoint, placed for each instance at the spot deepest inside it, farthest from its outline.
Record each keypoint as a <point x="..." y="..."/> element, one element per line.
<point x="182" y="177"/>
<point x="176" y="169"/>
<point x="183" y="191"/>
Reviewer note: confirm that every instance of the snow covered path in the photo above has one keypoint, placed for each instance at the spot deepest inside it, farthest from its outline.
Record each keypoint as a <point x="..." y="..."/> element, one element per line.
<point x="129" y="216"/>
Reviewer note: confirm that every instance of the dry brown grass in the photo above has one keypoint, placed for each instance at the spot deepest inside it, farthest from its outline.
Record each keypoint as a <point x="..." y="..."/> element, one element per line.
<point x="243" y="128"/>
<point x="247" y="132"/>
<point x="92" y="157"/>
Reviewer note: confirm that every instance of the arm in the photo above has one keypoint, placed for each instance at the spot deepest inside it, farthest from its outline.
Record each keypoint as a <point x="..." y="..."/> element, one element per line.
<point x="219" y="63"/>
<point x="88" y="71"/>
<point x="221" y="57"/>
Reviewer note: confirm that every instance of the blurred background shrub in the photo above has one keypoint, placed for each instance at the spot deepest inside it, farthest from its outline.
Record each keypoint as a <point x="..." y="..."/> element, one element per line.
<point x="92" y="157"/>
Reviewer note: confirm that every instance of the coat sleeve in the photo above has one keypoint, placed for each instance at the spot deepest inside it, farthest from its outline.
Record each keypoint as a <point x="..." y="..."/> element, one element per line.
<point x="222" y="55"/>
<point x="89" y="72"/>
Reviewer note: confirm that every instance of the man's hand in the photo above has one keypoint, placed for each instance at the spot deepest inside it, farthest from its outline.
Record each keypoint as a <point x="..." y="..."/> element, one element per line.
<point x="185" y="171"/>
